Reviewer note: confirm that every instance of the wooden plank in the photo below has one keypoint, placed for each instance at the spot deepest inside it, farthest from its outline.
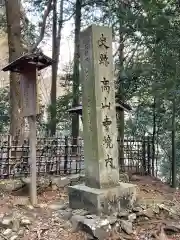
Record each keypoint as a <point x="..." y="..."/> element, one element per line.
<point x="29" y="93"/>
<point x="32" y="139"/>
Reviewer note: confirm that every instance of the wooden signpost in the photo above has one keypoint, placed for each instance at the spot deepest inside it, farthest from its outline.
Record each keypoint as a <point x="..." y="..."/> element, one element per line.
<point x="27" y="66"/>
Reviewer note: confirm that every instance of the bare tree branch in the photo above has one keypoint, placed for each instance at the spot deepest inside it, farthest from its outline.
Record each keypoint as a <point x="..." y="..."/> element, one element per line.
<point x="61" y="21"/>
<point x="41" y="36"/>
<point x="24" y="17"/>
<point x="133" y="53"/>
<point x="117" y="51"/>
<point x="69" y="18"/>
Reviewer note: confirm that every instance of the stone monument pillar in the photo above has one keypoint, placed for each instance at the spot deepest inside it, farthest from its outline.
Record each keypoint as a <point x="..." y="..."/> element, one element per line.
<point x="102" y="191"/>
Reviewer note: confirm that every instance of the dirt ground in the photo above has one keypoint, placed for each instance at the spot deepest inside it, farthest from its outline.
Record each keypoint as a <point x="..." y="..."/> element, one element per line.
<point x="46" y="225"/>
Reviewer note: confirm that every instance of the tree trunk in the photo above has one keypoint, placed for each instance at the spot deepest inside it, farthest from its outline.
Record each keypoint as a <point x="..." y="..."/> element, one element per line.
<point x="157" y="150"/>
<point x="75" y="117"/>
<point x="54" y="71"/>
<point x="15" y="51"/>
<point x="42" y="31"/>
<point x="121" y="97"/>
<point x="57" y="31"/>
<point x="173" y="135"/>
<point x="154" y="136"/>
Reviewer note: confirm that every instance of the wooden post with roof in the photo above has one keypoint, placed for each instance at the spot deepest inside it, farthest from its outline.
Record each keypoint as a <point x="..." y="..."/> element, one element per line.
<point x="27" y="66"/>
<point x="120" y="106"/>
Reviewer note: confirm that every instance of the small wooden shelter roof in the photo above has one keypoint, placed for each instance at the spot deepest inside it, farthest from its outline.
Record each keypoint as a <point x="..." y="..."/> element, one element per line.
<point x="40" y="60"/>
<point x="119" y="106"/>
<point x="124" y="105"/>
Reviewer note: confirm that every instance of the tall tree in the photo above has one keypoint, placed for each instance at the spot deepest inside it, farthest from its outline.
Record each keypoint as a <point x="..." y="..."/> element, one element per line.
<point x="76" y="75"/>
<point x="121" y="93"/>
<point x="173" y="135"/>
<point x="56" y="41"/>
<point x="13" y="16"/>
<point x="48" y="8"/>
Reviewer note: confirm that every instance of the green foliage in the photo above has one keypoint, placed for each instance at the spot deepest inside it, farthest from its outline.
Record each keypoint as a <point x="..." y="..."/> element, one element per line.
<point x="147" y="70"/>
<point x="2" y="19"/>
<point x="4" y="109"/>
<point x="63" y="116"/>
<point x="147" y="67"/>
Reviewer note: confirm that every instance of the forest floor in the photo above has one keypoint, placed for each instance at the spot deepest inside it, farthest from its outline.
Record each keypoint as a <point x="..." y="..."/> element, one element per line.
<point x="156" y="216"/>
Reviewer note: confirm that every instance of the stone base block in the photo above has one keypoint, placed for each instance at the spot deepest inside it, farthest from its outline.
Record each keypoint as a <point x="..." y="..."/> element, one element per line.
<point x="99" y="201"/>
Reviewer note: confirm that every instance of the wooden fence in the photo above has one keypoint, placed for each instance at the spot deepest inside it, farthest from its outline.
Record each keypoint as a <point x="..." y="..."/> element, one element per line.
<point x="59" y="156"/>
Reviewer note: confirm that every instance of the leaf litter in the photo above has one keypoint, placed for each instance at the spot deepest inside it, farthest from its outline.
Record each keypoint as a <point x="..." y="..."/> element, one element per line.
<point x="47" y="226"/>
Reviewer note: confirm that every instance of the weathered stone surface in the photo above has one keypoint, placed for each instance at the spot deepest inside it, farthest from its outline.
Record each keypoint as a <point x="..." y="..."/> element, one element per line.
<point x="146" y="213"/>
<point x="132" y="217"/>
<point x="58" y="205"/>
<point x="156" y="209"/>
<point x="169" y="209"/>
<point x="60" y="182"/>
<point x="123" y="214"/>
<point x="7" y="221"/>
<point x="14" y="237"/>
<point x="10" y="185"/>
<point x="30" y="206"/>
<point x="112" y="219"/>
<point x="66" y="225"/>
<point x="93" y="225"/>
<point x="21" y="232"/>
<point x="81" y="212"/>
<point x="172" y="226"/>
<point x="15" y="225"/>
<point x="76" y="221"/>
<point x="127" y="226"/>
<point x="102" y="192"/>
<point x="137" y="209"/>
<point x="25" y="221"/>
<point x="100" y="144"/>
<point x="40" y="180"/>
<point x="7" y="232"/>
<point x="99" y="227"/>
<point x="65" y="214"/>
<point x="98" y="201"/>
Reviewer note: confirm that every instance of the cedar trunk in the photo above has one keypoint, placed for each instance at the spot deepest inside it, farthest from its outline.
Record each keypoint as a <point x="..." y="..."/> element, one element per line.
<point x="54" y="71"/>
<point x="76" y="80"/>
<point x="173" y="144"/>
<point x="15" y="50"/>
<point x="121" y="97"/>
<point x="154" y="137"/>
<point x="56" y="40"/>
